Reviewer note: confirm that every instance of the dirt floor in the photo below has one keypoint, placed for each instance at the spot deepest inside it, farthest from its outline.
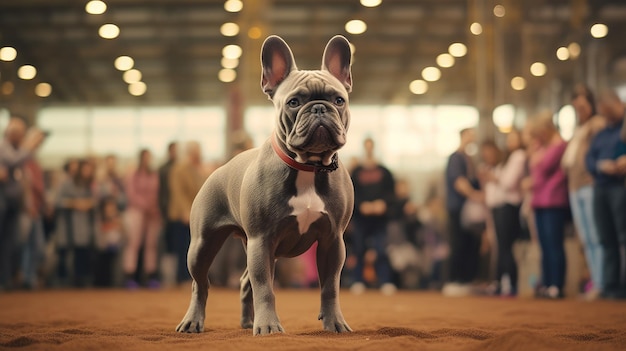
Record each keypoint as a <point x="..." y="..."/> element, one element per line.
<point x="145" y="320"/>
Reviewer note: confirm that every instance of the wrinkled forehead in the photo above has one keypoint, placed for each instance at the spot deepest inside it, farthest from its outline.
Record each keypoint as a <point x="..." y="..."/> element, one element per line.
<point x="310" y="83"/>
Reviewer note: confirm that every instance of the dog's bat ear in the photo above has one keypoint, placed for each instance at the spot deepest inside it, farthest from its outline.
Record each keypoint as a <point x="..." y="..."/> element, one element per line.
<point x="276" y="62"/>
<point x="338" y="59"/>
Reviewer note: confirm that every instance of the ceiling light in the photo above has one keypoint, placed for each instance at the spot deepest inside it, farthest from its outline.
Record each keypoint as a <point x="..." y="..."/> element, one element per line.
<point x="356" y="27"/>
<point x="562" y="53"/>
<point x="371" y="3"/>
<point x="132" y="76"/>
<point x="233" y="5"/>
<point x="418" y="87"/>
<point x="255" y="32"/>
<point x="457" y="49"/>
<point x="229" y="29"/>
<point x="229" y="63"/>
<point x="574" y="50"/>
<point x="95" y="7"/>
<point x="43" y="89"/>
<point x="599" y="30"/>
<point x="445" y="60"/>
<point x="227" y="75"/>
<point x="109" y="31"/>
<point x="232" y="51"/>
<point x="137" y="88"/>
<point x="431" y="74"/>
<point x="518" y="83"/>
<point x="27" y="72"/>
<point x="503" y="117"/>
<point x="8" y="53"/>
<point x="476" y="28"/>
<point x="124" y="63"/>
<point x="499" y="11"/>
<point x="538" y="69"/>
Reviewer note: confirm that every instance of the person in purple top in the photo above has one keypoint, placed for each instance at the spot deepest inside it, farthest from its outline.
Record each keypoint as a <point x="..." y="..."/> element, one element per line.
<point x="605" y="163"/>
<point x="550" y="202"/>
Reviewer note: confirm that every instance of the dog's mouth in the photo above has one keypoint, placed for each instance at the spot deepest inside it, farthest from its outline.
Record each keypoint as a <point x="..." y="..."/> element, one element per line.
<point x="319" y="145"/>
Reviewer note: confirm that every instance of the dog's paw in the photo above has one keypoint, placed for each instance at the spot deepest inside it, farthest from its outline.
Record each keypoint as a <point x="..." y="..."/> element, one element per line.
<point x="189" y="325"/>
<point x="268" y="328"/>
<point x="335" y="325"/>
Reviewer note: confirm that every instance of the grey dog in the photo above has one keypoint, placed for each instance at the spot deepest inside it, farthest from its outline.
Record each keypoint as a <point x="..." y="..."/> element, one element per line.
<point x="285" y="195"/>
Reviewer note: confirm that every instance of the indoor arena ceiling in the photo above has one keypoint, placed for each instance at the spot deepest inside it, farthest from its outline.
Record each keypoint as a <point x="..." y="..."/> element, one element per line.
<point x="177" y="47"/>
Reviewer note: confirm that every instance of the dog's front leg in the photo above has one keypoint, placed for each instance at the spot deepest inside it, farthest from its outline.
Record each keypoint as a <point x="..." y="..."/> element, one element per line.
<point x="261" y="274"/>
<point x="331" y="254"/>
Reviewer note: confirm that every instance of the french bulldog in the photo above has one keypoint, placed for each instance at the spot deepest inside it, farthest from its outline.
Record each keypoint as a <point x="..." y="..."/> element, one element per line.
<point x="285" y="195"/>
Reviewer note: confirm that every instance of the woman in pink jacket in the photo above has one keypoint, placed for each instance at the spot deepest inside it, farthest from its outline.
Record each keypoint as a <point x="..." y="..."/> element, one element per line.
<point x="143" y="221"/>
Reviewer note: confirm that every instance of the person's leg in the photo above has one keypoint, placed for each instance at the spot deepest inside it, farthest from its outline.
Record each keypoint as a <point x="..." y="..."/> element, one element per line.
<point x="556" y="223"/>
<point x="456" y="246"/>
<point x="593" y="248"/>
<point x="28" y="257"/>
<point x="183" y="239"/>
<point x="500" y="228"/>
<point x="82" y="266"/>
<point x="134" y="226"/>
<point x="379" y="242"/>
<point x="358" y="248"/>
<point x="608" y="239"/>
<point x="151" y="244"/>
<point x="510" y="230"/>
<point x="542" y="234"/>
<point x="618" y="210"/>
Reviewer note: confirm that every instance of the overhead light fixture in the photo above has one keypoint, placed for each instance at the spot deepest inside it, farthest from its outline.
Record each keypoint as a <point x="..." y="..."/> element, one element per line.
<point x="518" y="83"/>
<point x="503" y="117"/>
<point x="232" y="51"/>
<point x="431" y="74"/>
<point x="445" y="60"/>
<point x="562" y="53"/>
<point x="132" y="76"/>
<point x="124" y="63"/>
<point x="137" y="88"/>
<point x="599" y="30"/>
<point x="27" y="72"/>
<point x="109" y="31"/>
<point x="499" y="11"/>
<point x="227" y="75"/>
<point x="476" y="28"/>
<point x="457" y="49"/>
<point x="574" y="50"/>
<point x="538" y="69"/>
<point x="254" y="32"/>
<point x="371" y="3"/>
<point x="356" y="27"/>
<point x="418" y="87"/>
<point x="229" y="63"/>
<point x="229" y="29"/>
<point x="43" y="90"/>
<point x="233" y="5"/>
<point x="8" y="53"/>
<point x="95" y="7"/>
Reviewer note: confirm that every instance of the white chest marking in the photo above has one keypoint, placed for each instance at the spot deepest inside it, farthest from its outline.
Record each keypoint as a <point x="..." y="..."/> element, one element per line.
<point x="307" y="205"/>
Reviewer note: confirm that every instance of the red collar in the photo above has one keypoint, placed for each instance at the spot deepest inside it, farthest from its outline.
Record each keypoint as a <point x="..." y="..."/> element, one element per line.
<point x="305" y="167"/>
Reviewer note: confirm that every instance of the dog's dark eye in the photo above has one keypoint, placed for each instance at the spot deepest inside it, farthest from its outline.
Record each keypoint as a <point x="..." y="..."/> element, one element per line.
<point x="293" y="103"/>
<point x="339" y="101"/>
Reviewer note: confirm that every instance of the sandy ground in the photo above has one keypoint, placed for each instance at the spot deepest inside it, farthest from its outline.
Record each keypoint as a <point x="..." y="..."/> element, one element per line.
<point x="145" y="320"/>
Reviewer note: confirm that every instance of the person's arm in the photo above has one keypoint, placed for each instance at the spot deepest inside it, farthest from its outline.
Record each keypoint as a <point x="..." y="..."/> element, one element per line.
<point x="513" y="171"/>
<point x="551" y="161"/>
<point x="591" y="159"/>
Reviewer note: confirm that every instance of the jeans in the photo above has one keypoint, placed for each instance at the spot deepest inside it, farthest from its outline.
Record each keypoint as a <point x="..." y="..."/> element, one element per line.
<point x="609" y="208"/>
<point x="550" y="229"/>
<point x="33" y="252"/>
<point x="464" y="250"/>
<point x="183" y="238"/>
<point x="581" y="202"/>
<point x="508" y="227"/>
<point x="371" y="234"/>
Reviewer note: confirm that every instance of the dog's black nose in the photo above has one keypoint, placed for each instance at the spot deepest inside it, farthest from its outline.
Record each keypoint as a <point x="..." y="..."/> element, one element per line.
<point x="318" y="109"/>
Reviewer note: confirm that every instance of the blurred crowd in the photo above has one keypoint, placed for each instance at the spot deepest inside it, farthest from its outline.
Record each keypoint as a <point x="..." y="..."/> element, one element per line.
<point x="95" y="223"/>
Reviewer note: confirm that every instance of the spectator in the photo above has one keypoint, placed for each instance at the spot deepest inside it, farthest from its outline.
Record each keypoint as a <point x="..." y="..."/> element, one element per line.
<point x="143" y="222"/>
<point x="111" y="184"/>
<point x="580" y="185"/>
<point x="169" y="234"/>
<point x="33" y="248"/>
<point x="504" y="196"/>
<point x="77" y="208"/>
<point x="550" y="204"/>
<point x="461" y="185"/>
<point x="185" y="181"/>
<point x="108" y="242"/>
<point x="609" y="203"/>
<point x="17" y="146"/>
<point x="373" y="194"/>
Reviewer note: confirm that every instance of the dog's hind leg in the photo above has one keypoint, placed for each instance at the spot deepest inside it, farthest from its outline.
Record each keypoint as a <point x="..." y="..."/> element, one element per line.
<point x="202" y="250"/>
